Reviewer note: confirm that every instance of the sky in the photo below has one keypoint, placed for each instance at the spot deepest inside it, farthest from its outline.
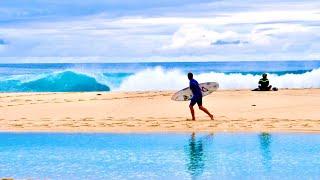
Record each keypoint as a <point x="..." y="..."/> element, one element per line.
<point x="41" y="31"/>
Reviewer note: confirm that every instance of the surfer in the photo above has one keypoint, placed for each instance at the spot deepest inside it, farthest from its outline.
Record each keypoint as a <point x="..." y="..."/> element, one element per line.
<point x="264" y="83"/>
<point x="197" y="97"/>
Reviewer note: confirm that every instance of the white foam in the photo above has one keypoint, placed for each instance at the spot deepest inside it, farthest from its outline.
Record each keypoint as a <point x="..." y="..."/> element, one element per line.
<point x="160" y="79"/>
<point x="154" y="79"/>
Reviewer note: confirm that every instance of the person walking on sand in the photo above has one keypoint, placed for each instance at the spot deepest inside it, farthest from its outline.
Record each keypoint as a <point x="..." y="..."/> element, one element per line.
<point x="197" y="97"/>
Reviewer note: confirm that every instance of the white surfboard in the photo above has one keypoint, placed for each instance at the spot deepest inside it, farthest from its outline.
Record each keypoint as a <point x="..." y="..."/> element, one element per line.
<point x="186" y="94"/>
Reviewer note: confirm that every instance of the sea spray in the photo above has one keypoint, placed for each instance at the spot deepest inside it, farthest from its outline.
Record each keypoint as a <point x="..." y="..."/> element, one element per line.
<point x="160" y="79"/>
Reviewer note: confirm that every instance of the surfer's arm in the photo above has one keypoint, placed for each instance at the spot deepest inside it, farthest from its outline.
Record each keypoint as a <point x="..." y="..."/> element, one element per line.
<point x="191" y="85"/>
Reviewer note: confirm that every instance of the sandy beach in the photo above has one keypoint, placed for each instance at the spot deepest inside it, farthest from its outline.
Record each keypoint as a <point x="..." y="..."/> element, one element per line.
<point x="235" y="111"/>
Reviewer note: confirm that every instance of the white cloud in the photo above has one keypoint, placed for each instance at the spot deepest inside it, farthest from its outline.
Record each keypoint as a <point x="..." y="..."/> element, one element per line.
<point x="229" y="18"/>
<point x="198" y="37"/>
<point x="272" y="37"/>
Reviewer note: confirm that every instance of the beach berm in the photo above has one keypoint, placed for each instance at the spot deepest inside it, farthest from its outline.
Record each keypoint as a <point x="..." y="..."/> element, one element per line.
<point x="292" y="110"/>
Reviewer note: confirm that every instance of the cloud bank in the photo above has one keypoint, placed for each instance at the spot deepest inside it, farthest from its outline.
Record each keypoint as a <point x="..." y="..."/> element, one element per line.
<point x="141" y="30"/>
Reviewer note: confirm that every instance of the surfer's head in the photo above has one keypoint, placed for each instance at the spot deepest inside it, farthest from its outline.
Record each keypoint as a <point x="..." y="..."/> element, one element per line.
<point x="190" y="76"/>
<point x="264" y="75"/>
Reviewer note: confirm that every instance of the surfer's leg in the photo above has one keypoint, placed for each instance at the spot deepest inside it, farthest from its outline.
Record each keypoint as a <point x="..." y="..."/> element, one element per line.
<point x="192" y="112"/>
<point x="204" y="109"/>
<point x="192" y="103"/>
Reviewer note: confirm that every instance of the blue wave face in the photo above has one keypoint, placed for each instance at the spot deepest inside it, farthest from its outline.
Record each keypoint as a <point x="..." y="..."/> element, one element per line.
<point x="67" y="81"/>
<point x="9" y="86"/>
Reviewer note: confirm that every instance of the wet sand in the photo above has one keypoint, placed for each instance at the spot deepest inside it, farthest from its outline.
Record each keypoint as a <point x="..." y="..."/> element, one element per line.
<point x="124" y="112"/>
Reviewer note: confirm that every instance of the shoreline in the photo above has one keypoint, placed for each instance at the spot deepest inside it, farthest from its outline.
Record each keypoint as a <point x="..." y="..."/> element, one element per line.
<point x="157" y="132"/>
<point x="236" y="111"/>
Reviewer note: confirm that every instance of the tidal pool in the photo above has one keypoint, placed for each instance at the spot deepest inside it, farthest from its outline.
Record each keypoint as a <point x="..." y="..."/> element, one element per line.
<point x="159" y="156"/>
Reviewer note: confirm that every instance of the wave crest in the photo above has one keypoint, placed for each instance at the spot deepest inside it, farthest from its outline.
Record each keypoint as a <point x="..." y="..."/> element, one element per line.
<point x="160" y="79"/>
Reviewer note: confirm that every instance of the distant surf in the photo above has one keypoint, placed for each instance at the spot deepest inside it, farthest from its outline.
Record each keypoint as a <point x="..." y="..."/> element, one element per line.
<point x="160" y="79"/>
<point x="153" y="76"/>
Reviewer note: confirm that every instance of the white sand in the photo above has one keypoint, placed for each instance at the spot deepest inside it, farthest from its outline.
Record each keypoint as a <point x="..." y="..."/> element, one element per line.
<point x="282" y="111"/>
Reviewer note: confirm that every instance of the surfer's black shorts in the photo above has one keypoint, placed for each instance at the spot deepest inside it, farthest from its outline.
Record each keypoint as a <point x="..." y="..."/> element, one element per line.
<point x="197" y="100"/>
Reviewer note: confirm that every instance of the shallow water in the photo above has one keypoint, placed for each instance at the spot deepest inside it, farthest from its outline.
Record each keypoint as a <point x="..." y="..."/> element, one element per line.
<point x="159" y="156"/>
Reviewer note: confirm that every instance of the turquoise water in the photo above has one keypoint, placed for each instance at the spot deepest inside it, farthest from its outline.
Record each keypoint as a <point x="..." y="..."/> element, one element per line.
<point x="154" y="76"/>
<point x="159" y="156"/>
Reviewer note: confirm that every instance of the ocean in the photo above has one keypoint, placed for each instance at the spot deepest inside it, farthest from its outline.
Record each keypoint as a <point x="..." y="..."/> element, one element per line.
<point x="154" y="76"/>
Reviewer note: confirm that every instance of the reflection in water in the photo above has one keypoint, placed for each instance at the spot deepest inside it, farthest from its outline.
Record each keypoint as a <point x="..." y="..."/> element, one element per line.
<point x="196" y="157"/>
<point x="265" y="141"/>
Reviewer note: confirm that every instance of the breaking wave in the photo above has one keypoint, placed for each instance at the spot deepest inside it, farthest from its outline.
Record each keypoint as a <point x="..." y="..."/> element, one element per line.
<point x="160" y="79"/>
<point x="67" y="81"/>
<point x="149" y="79"/>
